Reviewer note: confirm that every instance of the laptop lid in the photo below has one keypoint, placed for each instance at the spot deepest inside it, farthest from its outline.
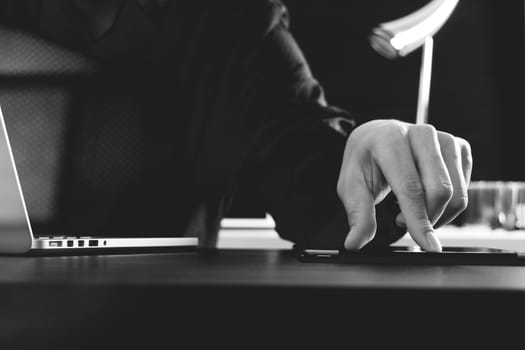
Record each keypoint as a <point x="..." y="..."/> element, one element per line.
<point x="15" y="228"/>
<point x="16" y="233"/>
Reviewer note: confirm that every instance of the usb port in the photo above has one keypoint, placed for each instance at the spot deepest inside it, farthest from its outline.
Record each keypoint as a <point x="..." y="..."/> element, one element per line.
<point x="55" y="244"/>
<point x="93" y="243"/>
<point x="70" y="243"/>
<point x="80" y="243"/>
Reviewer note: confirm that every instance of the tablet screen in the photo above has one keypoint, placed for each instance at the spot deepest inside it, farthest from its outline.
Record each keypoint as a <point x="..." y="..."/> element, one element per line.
<point x="414" y="255"/>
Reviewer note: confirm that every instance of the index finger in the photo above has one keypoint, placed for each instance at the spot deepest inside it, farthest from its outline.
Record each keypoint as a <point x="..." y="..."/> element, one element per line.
<point x="398" y="167"/>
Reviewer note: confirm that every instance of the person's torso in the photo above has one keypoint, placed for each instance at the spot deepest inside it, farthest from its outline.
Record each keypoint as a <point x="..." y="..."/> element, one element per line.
<point x="153" y="136"/>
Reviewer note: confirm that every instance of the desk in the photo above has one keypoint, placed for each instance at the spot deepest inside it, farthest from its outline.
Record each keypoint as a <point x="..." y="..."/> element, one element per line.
<point x="144" y="298"/>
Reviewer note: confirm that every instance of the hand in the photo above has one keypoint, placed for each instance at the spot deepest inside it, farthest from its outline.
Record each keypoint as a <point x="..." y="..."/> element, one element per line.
<point x="428" y="171"/>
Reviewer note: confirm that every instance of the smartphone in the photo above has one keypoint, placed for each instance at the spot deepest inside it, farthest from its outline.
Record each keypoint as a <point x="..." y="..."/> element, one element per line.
<point x="413" y="255"/>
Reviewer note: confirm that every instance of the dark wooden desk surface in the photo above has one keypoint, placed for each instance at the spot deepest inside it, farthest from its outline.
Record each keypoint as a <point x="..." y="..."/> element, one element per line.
<point x="118" y="297"/>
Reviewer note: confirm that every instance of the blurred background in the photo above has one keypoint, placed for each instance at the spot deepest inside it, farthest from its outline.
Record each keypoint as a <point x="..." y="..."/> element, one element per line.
<point x="477" y="87"/>
<point x="476" y="92"/>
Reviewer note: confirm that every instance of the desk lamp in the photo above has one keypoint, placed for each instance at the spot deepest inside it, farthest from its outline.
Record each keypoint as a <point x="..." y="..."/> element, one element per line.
<point x="400" y="37"/>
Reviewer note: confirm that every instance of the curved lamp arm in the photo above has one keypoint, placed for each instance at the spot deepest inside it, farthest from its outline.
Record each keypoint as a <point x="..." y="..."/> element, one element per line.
<point x="401" y="36"/>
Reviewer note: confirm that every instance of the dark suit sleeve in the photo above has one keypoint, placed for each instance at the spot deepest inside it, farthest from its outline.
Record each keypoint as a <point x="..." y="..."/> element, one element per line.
<point x="297" y="149"/>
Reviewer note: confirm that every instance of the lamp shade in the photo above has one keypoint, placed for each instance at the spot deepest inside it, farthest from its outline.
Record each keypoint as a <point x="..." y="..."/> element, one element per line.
<point x="399" y="37"/>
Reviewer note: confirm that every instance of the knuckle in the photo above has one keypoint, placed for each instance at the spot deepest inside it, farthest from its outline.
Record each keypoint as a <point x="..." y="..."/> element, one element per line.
<point x="447" y="136"/>
<point x="395" y="131"/>
<point x="449" y="146"/>
<point x="391" y="137"/>
<point x="468" y="158"/>
<point x="459" y="203"/>
<point x="463" y="142"/>
<point x="447" y="140"/>
<point x="442" y="193"/>
<point x="424" y="130"/>
<point x="468" y="161"/>
<point x="466" y="150"/>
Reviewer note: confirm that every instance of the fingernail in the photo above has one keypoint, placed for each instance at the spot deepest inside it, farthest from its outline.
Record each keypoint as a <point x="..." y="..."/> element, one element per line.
<point x="351" y="243"/>
<point x="355" y="241"/>
<point x="433" y="242"/>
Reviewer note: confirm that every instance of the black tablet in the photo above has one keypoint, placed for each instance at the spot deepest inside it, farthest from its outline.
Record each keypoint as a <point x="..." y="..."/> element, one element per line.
<point x="413" y="255"/>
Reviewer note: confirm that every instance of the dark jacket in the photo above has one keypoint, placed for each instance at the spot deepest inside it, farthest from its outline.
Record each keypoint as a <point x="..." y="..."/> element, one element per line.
<point x="180" y="105"/>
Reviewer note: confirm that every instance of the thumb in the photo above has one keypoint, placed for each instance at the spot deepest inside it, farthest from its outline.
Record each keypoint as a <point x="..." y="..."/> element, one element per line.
<point x="360" y="209"/>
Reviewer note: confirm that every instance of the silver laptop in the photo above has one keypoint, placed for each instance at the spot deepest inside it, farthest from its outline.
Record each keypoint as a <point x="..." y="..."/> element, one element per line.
<point x="16" y="232"/>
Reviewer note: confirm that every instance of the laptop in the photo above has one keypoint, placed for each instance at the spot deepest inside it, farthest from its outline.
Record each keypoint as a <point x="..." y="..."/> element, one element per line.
<point x="16" y="231"/>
